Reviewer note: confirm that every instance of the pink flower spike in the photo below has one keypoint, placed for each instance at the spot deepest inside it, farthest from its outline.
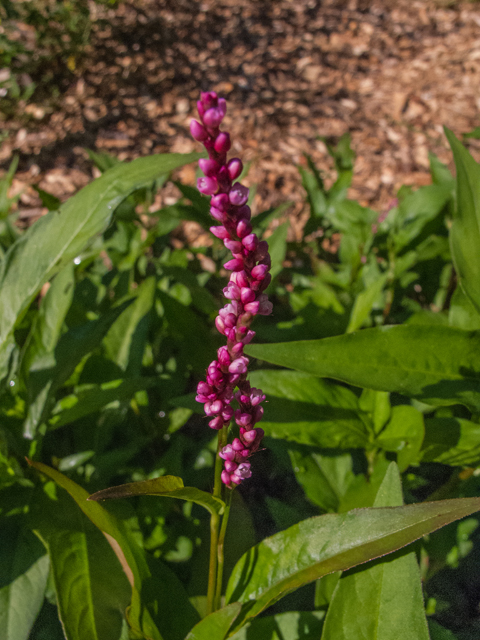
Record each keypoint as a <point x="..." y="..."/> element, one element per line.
<point x="232" y="291"/>
<point x="250" y="242"/>
<point x="234" y="265"/>
<point x="216" y="423"/>
<point x="244" y="213"/>
<point x="217" y="214"/>
<point x="236" y="445"/>
<point x="252" y="307"/>
<point x="248" y="337"/>
<point x="222" y="105"/>
<point x="227" y="453"/>
<point x="220" y="232"/>
<point x="247" y="295"/>
<point x="239" y="365"/>
<point x="226" y="478"/>
<point x="220" y="325"/>
<point x="237" y="349"/>
<point x="234" y="168"/>
<point x="207" y="186"/>
<point x="198" y="131"/>
<point x="259" y="271"/>
<point x="220" y="201"/>
<point x="222" y="143"/>
<point x="233" y="245"/>
<point x="238" y="195"/>
<point x="213" y="117"/>
<point x="266" y="307"/>
<point x="243" y="228"/>
<point x="209" y="167"/>
<point x="244" y="470"/>
<point x="230" y="466"/>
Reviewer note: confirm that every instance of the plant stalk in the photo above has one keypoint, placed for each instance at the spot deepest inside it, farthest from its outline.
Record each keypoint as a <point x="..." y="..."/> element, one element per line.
<point x="214" y="524"/>
<point x="220" y="549"/>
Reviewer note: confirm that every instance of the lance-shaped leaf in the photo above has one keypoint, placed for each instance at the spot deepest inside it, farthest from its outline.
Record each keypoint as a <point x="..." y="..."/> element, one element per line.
<point x="165" y="486"/>
<point x="216" y="625"/>
<point x="23" y="578"/>
<point x="166" y="621"/>
<point x="50" y="372"/>
<point x="406" y="359"/>
<point x="383" y="600"/>
<point x="332" y="542"/>
<point x="92" y="590"/>
<point x="304" y="409"/>
<point x="452" y="441"/>
<point x="58" y="237"/>
<point x="465" y="231"/>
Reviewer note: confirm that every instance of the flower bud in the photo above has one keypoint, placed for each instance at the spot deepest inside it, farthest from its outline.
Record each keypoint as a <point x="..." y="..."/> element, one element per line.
<point x="250" y="242"/>
<point x="243" y="228"/>
<point x="208" y="166"/>
<point x="222" y="143"/>
<point x="230" y="466"/>
<point x="233" y="245"/>
<point x="234" y="168"/>
<point x="259" y="271"/>
<point x="247" y="295"/>
<point x="226" y="478"/>
<point x="216" y="423"/>
<point x="207" y="186"/>
<point x="234" y="265"/>
<point x="239" y="365"/>
<point x="213" y="117"/>
<point x="220" y="201"/>
<point x="198" y="131"/>
<point x="244" y="213"/>
<point x="220" y="232"/>
<point x="238" y="194"/>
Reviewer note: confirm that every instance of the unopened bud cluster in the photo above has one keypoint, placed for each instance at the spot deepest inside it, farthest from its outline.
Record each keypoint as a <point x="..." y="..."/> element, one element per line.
<point x="249" y="266"/>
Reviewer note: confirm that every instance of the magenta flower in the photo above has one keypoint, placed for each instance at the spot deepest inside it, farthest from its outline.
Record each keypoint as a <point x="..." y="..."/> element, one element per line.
<point x="249" y="267"/>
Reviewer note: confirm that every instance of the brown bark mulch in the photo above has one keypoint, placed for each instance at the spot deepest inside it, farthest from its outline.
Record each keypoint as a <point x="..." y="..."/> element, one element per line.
<point x="389" y="72"/>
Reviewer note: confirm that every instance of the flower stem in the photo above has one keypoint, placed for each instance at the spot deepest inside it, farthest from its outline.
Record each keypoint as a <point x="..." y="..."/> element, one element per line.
<point x="214" y="524"/>
<point x="220" y="549"/>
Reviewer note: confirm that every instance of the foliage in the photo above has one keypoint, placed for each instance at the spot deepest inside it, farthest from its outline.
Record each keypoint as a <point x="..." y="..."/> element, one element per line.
<point x="371" y="372"/>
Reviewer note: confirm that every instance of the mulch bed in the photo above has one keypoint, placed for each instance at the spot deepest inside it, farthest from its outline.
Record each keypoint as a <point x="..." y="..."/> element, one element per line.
<point x="390" y="73"/>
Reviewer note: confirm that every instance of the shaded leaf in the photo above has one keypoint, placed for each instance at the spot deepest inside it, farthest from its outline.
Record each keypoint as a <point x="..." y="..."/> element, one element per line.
<point x="307" y="410"/>
<point x="216" y="625"/>
<point x="403" y="358"/>
<point x="166" y="486"/>
<point x="293" y="625"/>
<point x="452" y="441"/>
<point x="277" y="246"/>
<point x="465" y="230"/>
<point x="404" y="435"/>
<point x="383" y="600"/>
<point x="59" y="236"/>
<point x="332" y="542"/>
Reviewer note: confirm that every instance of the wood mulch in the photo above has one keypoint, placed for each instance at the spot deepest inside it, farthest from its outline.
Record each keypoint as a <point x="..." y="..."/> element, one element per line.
<point x="392" y="73"/>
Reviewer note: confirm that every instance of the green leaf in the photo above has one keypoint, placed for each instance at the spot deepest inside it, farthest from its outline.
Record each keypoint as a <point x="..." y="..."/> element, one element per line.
<point x="84" y="402"/>
<point x="324" y="478"/>
<point x="404" y="358"/>
<point x="49" y="320"/>
<point x="92" y="590"/>
<point x="61" y="235"/>
<point x="293" y="625"/>
<point x="304" y="409"/>
<point x="50" y="372"/>
<point x="452" y="441"/>
<point x="166" y="486"/>
<point x="332" y="542"/>
<point x="24" y="568"/>
<point x="382" y="601"/>
<point x="462" y="312"/>
<point x="437" y="632"/>
<point x="216" y="625"/>
<point x="277" y="246"/>
<point x="364" y="303"/>
<point x="126" y="338"/>
<point x="404" y="435"/>
<point x="465" y="230"/>
<point x="172" y="622"/>
<point x="48" y="200"/>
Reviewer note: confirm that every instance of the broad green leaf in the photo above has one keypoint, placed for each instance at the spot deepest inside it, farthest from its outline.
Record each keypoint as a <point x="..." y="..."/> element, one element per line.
<point x="462" y="312"/>
<point x="452" y="441"/>
<point x="332" y="542"/>
<point x="364" y="303"/>
<point x="49" y="373"/>
<point x="404" y="358"/>
<point x="416" y="210"/>
<point x="166" y="486"/>
<point x="24" y="570"/>
<point x="441" y="174"/>
<point x="92" y="590"/>
<point x="383" y="600"/>
<point x="277" y="246"/>
<point x="216" y="625"/>
<point x="48" y="323"/>
<point x="404" y="435"/>
<point x="377" y="405"/>
<point x="126" y="338"/>
<point x="58" y="237"/>
<point x="169" y="623"/>
<point x="293" y="625"/>
<point x="324" y="478"/>
<point x="307" y="410"/>
<point x="84" y="402"/>
<point x="465" y="231"/>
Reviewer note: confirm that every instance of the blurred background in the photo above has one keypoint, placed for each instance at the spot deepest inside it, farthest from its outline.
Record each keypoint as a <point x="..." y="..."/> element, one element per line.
<point x="123" y="78"/>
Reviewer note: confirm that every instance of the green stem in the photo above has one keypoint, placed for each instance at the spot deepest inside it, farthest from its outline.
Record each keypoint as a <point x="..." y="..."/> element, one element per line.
<point x="220" y="549"/>
<point x="214" y="524"/>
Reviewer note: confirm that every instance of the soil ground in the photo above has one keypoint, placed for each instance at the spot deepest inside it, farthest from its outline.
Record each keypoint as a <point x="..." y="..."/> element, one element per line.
<point x="392" y="73"/>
